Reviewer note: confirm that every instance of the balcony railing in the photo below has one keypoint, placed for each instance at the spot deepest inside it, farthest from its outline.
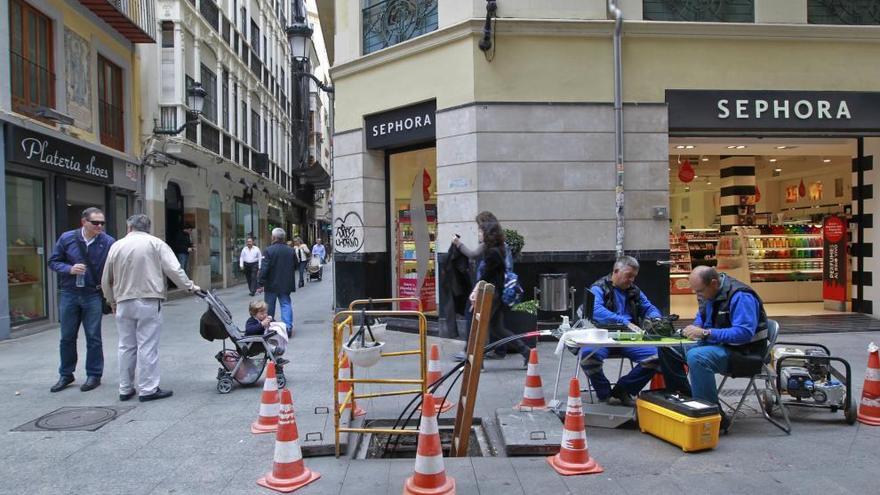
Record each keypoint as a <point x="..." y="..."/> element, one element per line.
<point x="210" y="137"/>
<point x="389" y="22"/>
<point x="134" y="19"/>
<point x="211" y="13"/>
<point x="699" y="10"/>
<point x="864" y="12"/>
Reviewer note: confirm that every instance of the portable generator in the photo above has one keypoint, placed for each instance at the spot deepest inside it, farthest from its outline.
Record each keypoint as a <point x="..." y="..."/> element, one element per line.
<point x="807" y="374"/>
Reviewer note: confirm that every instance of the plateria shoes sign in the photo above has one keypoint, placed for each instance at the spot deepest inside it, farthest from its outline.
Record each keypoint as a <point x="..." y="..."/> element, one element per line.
<point x="31" y="148"/>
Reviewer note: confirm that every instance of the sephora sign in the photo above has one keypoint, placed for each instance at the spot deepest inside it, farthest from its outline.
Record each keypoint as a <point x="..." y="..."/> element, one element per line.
<point x="698" y="110"/>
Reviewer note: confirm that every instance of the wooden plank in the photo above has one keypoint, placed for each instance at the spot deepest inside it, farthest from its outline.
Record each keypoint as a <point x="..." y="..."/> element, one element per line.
<point x="464" y="415"/>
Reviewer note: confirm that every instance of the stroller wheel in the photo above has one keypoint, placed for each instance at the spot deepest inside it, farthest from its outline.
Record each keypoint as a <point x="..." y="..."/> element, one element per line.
<point x="224" y="385"/>
<point x="281" y="380"/>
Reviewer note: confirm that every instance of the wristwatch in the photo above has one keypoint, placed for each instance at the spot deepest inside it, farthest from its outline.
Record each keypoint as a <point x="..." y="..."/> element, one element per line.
<point x="706" y="333"/>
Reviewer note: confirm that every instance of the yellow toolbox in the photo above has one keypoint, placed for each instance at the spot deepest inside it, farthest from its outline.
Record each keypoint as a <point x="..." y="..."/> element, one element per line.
<point x="691" y="424"/>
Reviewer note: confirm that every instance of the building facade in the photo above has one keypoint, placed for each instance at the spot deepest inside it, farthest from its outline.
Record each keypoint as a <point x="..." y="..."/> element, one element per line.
<point x="453" y="109"/>
<point x="240" y="171"/>
<point x="70" y="117"/>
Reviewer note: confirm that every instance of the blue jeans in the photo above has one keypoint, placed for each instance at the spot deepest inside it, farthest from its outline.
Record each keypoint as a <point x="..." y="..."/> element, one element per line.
<point x="704" y="362"/>
<point x="633" y="382"/>
<point x="80" y="308"/>
<point x="183" y="258"/>
<point x="286" y="307"/>
<point x="302" y="271"/>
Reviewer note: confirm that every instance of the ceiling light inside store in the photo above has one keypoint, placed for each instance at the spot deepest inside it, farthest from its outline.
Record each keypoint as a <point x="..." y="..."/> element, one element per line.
<point x="709" y="183"/>
<point x="689" y="147"/>
<point x="784" y="147"/>
<point x="773" y="160"/>
<point x="777" y="170"/>
<point x="731" y="147"/>
<point x="741" y="147"/>
<point x="680" y="147"/>
<point x="827" y="160"/>
<point x="705" y="159"/>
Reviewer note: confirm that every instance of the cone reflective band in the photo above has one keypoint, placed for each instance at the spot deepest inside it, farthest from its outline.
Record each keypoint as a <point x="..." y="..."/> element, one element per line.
<point x="435" y="372"/>
<point x="345" y="387"/>
<point x="574" y="455"/>
<point x="289" y="473"/>
<point x="267" y="421"/>
<point x="533" y="393"/>
<point x="429" y="477"/>
<point x="869" y="406"/>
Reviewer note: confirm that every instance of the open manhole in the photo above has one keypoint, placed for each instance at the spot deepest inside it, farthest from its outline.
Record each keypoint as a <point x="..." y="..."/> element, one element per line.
<point x="75" y="419"/>
<point x="388" y="446"/>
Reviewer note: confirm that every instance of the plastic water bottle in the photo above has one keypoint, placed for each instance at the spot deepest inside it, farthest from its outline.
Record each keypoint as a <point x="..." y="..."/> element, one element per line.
<point x="563" y="328"/>
<point x="81" y="280"/>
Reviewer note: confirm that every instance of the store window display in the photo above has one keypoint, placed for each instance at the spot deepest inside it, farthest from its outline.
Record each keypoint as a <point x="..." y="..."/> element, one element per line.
<point x="26" y="259"/>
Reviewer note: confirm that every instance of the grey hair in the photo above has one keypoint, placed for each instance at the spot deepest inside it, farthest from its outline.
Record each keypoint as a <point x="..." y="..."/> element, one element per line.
<point x="278" y="234"/>
<point x="706" y="274"/>
<point x="139" y="222"/>
<point x="88" y="212"/>
<point x="625" y="261"/>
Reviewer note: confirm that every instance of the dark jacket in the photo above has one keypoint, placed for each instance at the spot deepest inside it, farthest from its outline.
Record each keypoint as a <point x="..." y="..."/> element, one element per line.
<point x="633" y="298"/>
<point x="181" y="243"/>
<point x="456" y="278"/>
<point x="66" y="254"/>
<point x="277" y="272"/>
<point x="253" y="327"/>
<point x="492" y="269"/>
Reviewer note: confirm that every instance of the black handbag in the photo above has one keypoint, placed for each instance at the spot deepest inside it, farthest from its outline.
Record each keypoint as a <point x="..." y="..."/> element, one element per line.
<point x="105" y="308"/>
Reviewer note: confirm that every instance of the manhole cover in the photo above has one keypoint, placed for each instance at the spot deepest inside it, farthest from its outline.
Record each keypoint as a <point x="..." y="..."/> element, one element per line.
<point x="75" y="419"/>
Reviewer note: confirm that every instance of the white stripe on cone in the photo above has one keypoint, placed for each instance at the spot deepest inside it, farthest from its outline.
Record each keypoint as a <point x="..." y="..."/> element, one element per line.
<point x="870" y="402"/>
<point x="428" y="426"/>
<point x="268" y="410"/>
<point x="568" y="435"/>
<point x="872" y="374"/>
<point x="533" y="393"/>
<point x="532" y="369"/>
<point x="429" y="464"/>
<point x="575" y="403"/>
<point x="287" y="452"/>
<point x="434" y="366"/>
<point x="270" y="382"/>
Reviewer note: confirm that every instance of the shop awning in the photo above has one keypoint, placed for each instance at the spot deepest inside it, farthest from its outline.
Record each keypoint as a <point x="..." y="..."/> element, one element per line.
<point x="315" y="174"/>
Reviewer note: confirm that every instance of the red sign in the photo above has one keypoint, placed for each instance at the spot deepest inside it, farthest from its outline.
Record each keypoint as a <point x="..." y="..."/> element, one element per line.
<point x="407" y="287"/>
<point x="686" y="172"/>
<point x="834" y="259"/>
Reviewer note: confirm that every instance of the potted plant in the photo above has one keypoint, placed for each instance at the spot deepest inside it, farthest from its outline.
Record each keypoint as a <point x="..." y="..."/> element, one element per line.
<point x="514" y="241"/>
<point x="522" y="317"/>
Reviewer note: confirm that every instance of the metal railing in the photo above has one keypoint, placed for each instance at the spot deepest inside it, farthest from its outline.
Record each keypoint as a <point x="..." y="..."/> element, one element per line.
<point x="210" y="137"/>
<point x="390" y="22"/>
<point x="140" y="12"/>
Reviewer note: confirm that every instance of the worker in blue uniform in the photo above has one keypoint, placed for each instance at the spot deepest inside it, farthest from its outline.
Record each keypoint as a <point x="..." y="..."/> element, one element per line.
<point x="619" y="301"/>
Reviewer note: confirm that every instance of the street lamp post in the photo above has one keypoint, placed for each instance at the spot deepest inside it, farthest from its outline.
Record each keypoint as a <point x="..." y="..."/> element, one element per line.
<point x="195" y="102"/>
<point x="299" y="35"/>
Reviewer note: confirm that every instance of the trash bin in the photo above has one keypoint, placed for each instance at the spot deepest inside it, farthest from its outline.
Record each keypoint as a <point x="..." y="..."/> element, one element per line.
<point x="553" y="291"/>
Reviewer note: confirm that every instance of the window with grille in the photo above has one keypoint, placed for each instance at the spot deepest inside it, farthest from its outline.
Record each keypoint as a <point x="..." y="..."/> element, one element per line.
<point x="256" y="123"/>
<point x="225" y="97"/>
<point x="209" y="84"/>
<point x="31" y="58"/>
<point x="110" y="104"/>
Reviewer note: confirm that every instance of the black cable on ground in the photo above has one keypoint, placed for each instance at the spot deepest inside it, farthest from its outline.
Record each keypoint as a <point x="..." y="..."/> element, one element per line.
<point x="418" y="398"/>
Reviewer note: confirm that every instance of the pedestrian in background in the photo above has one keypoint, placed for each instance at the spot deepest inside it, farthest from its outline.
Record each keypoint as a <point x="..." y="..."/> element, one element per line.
<point x="302" y="258"/>
<point x="277" y="277"/>
<point x="79" y="258"/>
<point x="183" y="246"/>
<point x="492" y="270"/>
<point x="320" y="251"/>
<point x="250" y="261"/>
<point x="134" y="284"/>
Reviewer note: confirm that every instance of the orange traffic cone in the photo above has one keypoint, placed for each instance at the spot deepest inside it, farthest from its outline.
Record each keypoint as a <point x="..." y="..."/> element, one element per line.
<point x="429" y="477"/>
<point x="657" y="382"/>
<point x="267" y="421"/>
<point x="288" y="470"/>
<point x="434" y="374"/>
<point x="574" y="456"/>
<point x="344" y="387"/>
<point x="533" y="393"/>
<point x="869" y="407"/>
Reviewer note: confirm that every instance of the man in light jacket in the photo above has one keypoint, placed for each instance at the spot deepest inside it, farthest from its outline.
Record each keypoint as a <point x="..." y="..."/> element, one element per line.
<point x="134" y="285"/>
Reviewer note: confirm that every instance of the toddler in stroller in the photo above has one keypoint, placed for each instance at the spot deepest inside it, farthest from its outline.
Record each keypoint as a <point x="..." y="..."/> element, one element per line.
<point x="245" y="362"/>
<point x="315" y="268"/>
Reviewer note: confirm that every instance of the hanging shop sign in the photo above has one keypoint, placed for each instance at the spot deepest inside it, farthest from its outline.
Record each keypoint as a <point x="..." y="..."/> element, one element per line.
<point x="710" y="110"/>
<point x="834" y="259"/>
<point x="38" y="150"/>
<point x="401" y="127"/>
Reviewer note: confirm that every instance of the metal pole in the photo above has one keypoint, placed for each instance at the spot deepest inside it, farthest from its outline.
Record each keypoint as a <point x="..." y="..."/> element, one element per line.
<point x="330" y="193"/>
<point x="618" y="125"/>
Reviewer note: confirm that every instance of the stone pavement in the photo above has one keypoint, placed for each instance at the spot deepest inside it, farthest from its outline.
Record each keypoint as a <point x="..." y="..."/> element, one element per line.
<point x="199" y="441"/>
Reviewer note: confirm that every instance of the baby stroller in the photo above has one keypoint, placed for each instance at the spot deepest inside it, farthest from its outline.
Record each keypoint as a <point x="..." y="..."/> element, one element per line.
<point x="315" y="268"/>
<point x="246" y="361"/>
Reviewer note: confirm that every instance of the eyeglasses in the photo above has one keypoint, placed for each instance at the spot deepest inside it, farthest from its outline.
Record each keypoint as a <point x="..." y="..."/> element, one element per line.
<point x="97" y="223"/>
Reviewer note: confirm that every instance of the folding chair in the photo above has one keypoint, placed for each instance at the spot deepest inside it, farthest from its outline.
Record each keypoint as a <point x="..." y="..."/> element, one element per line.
<point x="767" y="397"/>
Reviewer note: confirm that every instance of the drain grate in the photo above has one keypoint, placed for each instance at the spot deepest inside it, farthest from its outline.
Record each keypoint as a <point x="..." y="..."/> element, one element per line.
<point x="733" y="392"/>
<point x="75" y="419"/>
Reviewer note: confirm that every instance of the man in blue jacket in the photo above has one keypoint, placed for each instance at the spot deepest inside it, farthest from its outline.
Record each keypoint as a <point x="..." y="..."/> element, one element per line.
<point x="619" y="301"/>
<point x="730" y="324"/>
<point x="277" y="277"/>
<point x="78" y="258"/>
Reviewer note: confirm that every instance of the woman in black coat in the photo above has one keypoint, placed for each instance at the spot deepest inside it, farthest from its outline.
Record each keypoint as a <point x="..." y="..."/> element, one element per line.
<point x="492" y="269"/>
